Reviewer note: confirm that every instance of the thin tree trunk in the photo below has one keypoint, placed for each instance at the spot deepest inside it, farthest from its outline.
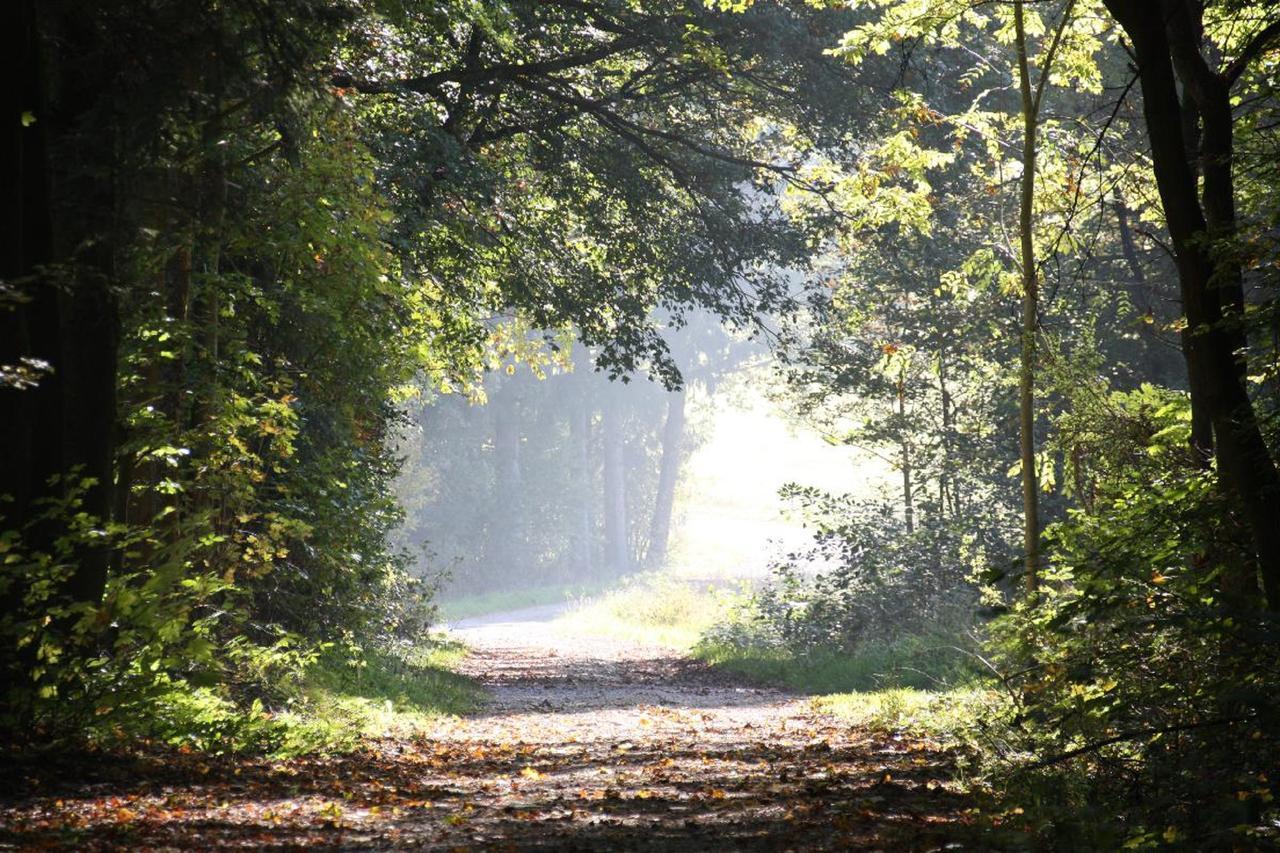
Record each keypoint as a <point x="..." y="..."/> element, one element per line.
<point x="1030" y="311"/>
<point x="583" y="523"/>
<point x="904" y="459"/>
<point x="507" y="524"/>
<point x="668" y="475"/>
<point x="945" y="485"/>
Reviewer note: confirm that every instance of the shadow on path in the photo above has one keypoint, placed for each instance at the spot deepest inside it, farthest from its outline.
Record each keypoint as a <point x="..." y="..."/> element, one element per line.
<point x="586" y="744"/>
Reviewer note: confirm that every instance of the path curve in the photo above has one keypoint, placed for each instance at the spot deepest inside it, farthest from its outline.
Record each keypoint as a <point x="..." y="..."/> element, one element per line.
<point x="601" y="744"/>
<point x="586" y="743"/>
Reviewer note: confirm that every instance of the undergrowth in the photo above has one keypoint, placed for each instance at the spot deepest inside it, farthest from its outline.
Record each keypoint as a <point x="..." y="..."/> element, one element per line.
<point x="935" y="661"/>
<point x="339" y="700"/>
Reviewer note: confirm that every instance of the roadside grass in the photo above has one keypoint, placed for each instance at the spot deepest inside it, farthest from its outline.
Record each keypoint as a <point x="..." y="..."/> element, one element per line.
<point x="654" y="609"/>
<point x="926" y="685"/>
<point x="339" y="702"/>
<point x="465" y="607"/>
<point x="946" y="715"/>
<point x="923" y="662"/>
<point x="386" y="695"/>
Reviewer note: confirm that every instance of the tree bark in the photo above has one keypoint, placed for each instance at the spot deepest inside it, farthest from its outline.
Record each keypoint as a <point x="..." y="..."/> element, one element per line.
<point x="904" y="459"/>
<point x="59" y="436"/>
<point x="1030" y="312"/>
<point x="945" y="485"/>
<point x="30" y="451"/>
<point x="583" y="525"/>
<point x="507" y="522"/>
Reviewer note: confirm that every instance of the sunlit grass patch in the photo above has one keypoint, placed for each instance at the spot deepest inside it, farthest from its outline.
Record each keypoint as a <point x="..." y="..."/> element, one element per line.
<point x="941" y="714"/>
<point x="653" y="609"/>
<point x="498" y="601"/>
<point x="925" y="662"/>
<point x="383" y="695"/>
<point x="341" y="700"/>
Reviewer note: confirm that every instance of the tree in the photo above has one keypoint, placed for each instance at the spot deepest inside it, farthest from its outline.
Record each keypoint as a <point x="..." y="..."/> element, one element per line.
<point x="1172" y="49"/>
<point x="1032" y="96"/>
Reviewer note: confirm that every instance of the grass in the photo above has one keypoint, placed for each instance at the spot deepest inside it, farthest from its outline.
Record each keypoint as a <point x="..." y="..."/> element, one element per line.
<point x="925" y="662"/>
<point x="653" y="609"/>
<point x="497" y="601"/>
<point x="340" y="702"/>
<point x="383" y="695"/>
<point x="940" y="714"/>
<point x="922" y="684"/>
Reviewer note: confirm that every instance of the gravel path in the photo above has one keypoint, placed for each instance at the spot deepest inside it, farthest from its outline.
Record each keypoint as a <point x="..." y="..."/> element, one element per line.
<point x="600" y="744"/>
<point x="586" y="743"/>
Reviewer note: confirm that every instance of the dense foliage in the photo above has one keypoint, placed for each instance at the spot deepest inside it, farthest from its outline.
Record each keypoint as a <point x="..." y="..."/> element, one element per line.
<point x="1010" y="280"/>
<point x="248" y="235"/>
<point x="258" y="255"/>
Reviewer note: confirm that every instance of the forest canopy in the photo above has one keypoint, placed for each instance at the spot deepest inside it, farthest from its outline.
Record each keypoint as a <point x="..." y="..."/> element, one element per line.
<point x="269" y="267"/>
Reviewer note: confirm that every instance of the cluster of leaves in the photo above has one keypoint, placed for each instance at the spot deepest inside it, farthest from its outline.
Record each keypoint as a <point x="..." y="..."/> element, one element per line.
<point x="1131" y="670"/>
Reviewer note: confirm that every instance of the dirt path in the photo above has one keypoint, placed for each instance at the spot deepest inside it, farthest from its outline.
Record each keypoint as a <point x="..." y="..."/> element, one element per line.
<point x="586" y="744"/>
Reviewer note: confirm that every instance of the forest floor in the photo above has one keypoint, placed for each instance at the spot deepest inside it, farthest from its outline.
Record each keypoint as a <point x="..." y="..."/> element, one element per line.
<point x="585" y="743"/>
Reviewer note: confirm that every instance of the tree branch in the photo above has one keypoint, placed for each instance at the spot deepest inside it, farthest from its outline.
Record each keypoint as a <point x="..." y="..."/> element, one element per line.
<point x="504" y="71"/>
<point x="1132" y="734"/>
<point x="1256" y="46"/>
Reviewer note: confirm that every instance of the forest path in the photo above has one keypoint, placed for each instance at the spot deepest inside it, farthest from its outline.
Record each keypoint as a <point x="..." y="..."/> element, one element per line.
<point x="592" y="743"/>
<point x="585" y="743"/>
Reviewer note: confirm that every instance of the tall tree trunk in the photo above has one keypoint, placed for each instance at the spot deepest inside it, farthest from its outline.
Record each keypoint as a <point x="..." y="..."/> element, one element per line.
<point x="904" y="459"/>
<point x="60" y="318"/>
<point x="30" y="451"/>
<point x="1031" y="99"/>
<point x="668" y="474"/>
<point x="1214" y="342"/>
<point x="507" y="523"/>
<point x="945" y="485"/>
<point x="617" y="555"/>
<point x="1030" y="312"/>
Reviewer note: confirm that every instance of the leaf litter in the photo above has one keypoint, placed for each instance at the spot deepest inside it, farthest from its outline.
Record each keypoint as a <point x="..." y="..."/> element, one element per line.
<point x="585" y="743"/>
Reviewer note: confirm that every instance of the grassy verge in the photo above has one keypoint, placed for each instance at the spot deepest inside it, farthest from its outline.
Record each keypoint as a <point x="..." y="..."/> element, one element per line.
<point x="927" y="662"/>
<point x="944" y="714"/>
<point x="498" y="601"/>
<point x="339" y="702"/>
<point x="653" y="609"/>
<point x="383" y="695"/>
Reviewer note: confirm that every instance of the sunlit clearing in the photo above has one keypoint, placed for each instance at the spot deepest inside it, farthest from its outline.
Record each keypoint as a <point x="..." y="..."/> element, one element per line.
<point x="730" y="522"/>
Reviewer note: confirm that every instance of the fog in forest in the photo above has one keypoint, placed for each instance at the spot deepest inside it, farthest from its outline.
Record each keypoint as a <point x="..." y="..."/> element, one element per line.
<point x="558" y="476"/>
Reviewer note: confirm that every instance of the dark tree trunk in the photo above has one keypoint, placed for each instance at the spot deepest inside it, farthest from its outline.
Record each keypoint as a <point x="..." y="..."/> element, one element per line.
<point x="1030" y="315"/>
<point x="668" y="474"/>
<point x="29" y="327"/>
<point x="1211" y="284"/>
<point x="905" y="462"/>
<point x="59" y="435"/>
<point x="945" y="486"/>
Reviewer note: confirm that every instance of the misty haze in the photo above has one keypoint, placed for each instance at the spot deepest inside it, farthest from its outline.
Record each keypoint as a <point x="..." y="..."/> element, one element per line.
<point x="675" y="425"/>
